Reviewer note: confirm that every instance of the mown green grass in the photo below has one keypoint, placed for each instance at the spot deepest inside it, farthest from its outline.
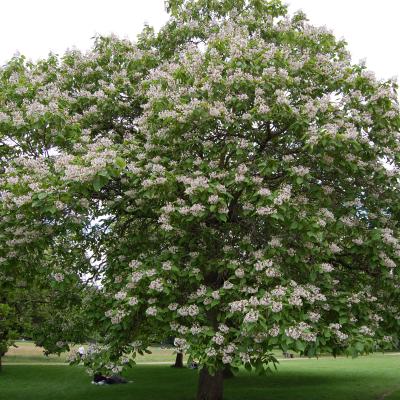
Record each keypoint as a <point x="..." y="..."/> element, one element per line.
<point x="365" y="378"/>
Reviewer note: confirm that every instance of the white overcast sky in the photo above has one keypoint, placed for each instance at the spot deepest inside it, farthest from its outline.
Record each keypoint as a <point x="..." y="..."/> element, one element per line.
<point x="35" y="27"/>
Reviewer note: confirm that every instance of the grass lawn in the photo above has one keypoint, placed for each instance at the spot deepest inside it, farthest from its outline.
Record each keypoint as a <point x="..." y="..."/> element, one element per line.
<point x="375" y="377"/>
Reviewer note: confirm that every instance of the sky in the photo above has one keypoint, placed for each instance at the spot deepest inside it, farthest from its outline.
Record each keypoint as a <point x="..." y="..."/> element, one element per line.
<point x="34" y="28"/>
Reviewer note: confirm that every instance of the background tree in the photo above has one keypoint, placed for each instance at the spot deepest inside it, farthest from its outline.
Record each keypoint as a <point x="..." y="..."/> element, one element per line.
<point x="48" y="309"/>
<point x="232" y="179"/>
<point x="7" y="324"/>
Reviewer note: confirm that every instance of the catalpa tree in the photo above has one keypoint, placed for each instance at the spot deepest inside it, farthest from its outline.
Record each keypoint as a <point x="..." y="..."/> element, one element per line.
<point x="234" y="180"/>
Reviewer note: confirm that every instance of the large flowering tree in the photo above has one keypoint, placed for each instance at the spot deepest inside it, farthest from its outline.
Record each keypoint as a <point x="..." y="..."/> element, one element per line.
<point x="232" y="181"/>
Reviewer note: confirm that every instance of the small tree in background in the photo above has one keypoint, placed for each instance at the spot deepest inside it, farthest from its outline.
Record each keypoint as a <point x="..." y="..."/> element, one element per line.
<point x="7" y="335"/>
<point x="233" y="178"/>
<point x="42" y="308"/>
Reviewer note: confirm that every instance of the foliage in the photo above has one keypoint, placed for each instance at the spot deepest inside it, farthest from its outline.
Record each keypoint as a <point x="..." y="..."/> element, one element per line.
<point x="38" y="309"/>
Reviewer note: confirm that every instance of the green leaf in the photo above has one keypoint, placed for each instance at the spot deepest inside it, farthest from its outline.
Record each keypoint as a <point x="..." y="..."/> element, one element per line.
<point x="359" y="347"/>
<point x="299" y="180"/>
<point x="42" y="195"/>
<point x="300" y="346"/>
<point x="99" y="181"/>
<point x="120" y="162"/>
<point x="223" y="217"/>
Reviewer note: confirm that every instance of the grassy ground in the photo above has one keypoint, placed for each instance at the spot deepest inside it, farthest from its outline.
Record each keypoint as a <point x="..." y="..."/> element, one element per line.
<point x="374" y="377"/>
<point x="27" y="352"/>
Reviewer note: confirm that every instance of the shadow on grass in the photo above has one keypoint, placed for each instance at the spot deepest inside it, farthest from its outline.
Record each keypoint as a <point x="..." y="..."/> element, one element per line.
<point x="345" y="380"/>
<point x="393" y="395"/>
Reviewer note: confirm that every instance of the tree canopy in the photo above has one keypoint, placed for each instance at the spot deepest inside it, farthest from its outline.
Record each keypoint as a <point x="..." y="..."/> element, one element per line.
<point x="231" y="180"/>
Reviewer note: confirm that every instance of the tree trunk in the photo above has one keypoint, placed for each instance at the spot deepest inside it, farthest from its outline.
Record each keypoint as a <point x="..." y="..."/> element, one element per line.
<point x="227" y="373"/>
<point x="211" y="387"/>
<point x="178" y="361"/>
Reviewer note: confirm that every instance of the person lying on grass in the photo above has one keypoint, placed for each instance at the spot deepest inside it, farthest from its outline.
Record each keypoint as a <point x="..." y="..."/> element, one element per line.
<point x="100" y="379"/>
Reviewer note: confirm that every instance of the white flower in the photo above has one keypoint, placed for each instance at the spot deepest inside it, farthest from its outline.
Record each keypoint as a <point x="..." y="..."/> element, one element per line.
<point x="132" y="301"/>
<point x="218" y="338"/>
<point x="274" y="331"/>
<point x="181" y="344"/>
<point x="152" y="311"/>
<point x="120" y="295"/>
<point x="264" y="192"/>
<point x="223" y="328"/>
<point x="334" y="248"/>
<point x="228" y="285"/>
<point x="193" y="310"/>
<point x="166" y="266"/>
<point x="210" y="352"/>
<point x="59" y="277"/>
<point x="215" y="295"/>
<point x="251" y="316"/>
<point x="300" y="170"/>
<point x="265" y="210"/>
<point x="239" y="273"/>
<point x="230" y="348"/>
<point x="364" y="330"/>
<point x="313" y="316"/>
<point x="213" y="199"/>
<point x="227" y="359"/>
<point x="156" y="285"/>
<point x="195" y="329"/>
<point x="326" y="267"/>
<point x="276" y="306"/>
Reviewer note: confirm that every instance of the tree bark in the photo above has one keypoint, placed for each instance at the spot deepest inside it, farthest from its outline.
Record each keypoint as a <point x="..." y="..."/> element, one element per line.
<point x="211" y="387"/>
<point x="178" y="361"/>
<point x="227" y="372"/>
